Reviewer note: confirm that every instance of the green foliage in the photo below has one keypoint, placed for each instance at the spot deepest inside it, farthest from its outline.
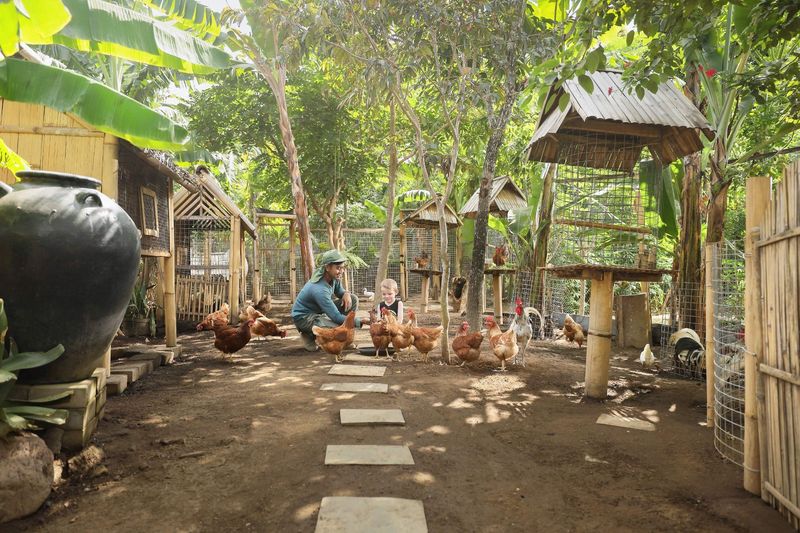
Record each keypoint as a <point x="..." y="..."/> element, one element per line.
<point x="28" y="21"/>
<point x="11" y="160"/>
<point x="140" y="306"/>
<point x="20" y="416"/>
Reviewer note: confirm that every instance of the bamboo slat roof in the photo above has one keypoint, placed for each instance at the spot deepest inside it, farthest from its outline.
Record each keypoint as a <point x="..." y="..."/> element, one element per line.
<point x="504" y="196"/>
<point x="666" y="122"/>
<point x="209" y="201"/>
<point x="426" y="216"/>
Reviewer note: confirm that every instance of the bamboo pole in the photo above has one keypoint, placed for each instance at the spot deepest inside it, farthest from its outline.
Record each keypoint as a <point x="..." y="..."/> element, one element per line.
<point x="459" y="252"/>
<point x="425" y="288"/>
<point x="709" y="295"/>
<point x="170" y="307"/>
<point x="403" y="271"/>
<point x="292" y="263"/>
<point x="234" y="267"/>
<point x="757" y="199"/>
<point x="497" y="294"/>
<point x="598" y="345"/>
<point x="256" y="268"/>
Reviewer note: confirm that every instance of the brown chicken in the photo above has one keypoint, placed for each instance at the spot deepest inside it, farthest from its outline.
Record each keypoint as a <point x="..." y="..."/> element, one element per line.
<point x="264" y="304"/>
<point x="334" y="340"/>
<point x="422" y="261"/>
<point x="504" y="345"/>
<point x="216" y="319"/>
<point x="263" y="326"/>
<point x="231" y="339"/>
<point x="380" y="335"/>
<point x="466" y="345"/>
<point x="456" y="293"/>
<point x="425" y="339"/>
<point x="402" y="337"/>
<point x="573" y="331"/>
<point x="500" y="255"/>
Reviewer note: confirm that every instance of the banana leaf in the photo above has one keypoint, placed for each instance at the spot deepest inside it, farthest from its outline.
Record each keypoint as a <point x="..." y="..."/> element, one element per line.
<point x="25" y="360"/>
<point x="105" y="28"/>
<point x="91" y="101"/>
<point x="657" y="181"/>
<point x="6" y="376"/>
<point x="189" y="15"/>
<point x="43" y="414"/>
<point x="28" y="21"/>
<point x="12" y="161"/>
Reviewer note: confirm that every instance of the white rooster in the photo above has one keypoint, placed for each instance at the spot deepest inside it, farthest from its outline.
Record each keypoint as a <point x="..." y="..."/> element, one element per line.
<point x="647" y="358"/>
<point x="522" y="328"/>
<point x="368" y="295"/>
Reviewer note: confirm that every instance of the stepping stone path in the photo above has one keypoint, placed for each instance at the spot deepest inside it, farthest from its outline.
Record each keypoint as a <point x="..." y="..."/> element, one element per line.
<point x="356" y="387"/>
<point x="368" y="454"/>
<point x="625" y="422"/>
<point x="355" y="358"/>
<point x="357" y="370"/>
<point x="362" y="514"/>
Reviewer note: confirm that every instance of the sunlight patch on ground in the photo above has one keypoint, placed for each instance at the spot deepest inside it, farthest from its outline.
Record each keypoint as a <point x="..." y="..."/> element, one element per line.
<point x="498" y="384"/>
<point x="423" y="478"/>
<point x="306" y="511"/>
<point x="494" y="415"/>
<point x="267" y="373"/>
<point x="290" y="379"/>
<point x="474" y="420"/>
<point x="321" y="401"/>
<point x="673" y="408"/>
<point x="414" y="392"/>
<point x="589" y="459"/>
<point x="433" y="449"/>
<point x="652" y="416"/>
<point x="436" y="430"/>
<point x="437" y="404"/>
<point x="346" y="396"/>
<point x="460" y="403"/>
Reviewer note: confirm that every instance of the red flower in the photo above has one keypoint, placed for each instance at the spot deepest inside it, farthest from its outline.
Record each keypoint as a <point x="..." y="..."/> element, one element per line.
<point x="710" y="72"/>
<point x="700" y="68"/>
<point x="610" y="90"/>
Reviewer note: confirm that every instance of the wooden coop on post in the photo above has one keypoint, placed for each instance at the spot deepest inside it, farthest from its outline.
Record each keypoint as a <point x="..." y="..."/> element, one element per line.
<point x="274" y="253"/>
<point x="210" y="233"/>
<point x="419" y="248"/>
<point x="504" y="196"/>
<point x="606" y="215"/>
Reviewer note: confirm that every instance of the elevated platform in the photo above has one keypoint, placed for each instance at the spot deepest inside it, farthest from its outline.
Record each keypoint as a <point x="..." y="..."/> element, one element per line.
<point x="618" y="273"/>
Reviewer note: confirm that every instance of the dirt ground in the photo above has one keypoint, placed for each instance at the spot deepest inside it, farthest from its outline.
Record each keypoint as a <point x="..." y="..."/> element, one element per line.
<point x="206" y="445"/>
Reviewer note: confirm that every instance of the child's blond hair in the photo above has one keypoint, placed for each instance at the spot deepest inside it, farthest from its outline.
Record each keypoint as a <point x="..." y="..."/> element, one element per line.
<point x="390" y="284"/>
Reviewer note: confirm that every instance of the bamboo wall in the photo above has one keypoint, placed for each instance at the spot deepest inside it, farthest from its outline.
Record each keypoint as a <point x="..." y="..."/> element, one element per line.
<point x="55" y="141"/>
<point x="778" y="385"/>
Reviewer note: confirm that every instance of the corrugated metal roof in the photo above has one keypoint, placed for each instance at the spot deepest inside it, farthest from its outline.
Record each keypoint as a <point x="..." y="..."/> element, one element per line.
<point x="504" y="196"/>
<point x="426" y="215"/>
<point x="666" y="122"/>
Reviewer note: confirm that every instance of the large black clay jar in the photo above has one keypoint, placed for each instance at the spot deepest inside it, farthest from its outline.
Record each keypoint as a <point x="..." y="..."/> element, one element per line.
<point x="69" y="256"/>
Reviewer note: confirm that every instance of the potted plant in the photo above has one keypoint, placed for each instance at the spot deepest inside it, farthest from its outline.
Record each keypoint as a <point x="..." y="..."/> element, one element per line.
<point x="26" y="464"/>
<point x="140" y="318"/>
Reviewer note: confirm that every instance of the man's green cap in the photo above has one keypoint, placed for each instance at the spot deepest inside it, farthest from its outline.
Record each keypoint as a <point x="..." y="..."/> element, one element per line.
<point x="331" y="257"/>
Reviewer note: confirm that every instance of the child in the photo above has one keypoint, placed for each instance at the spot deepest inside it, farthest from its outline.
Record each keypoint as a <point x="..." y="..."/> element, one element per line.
<point x="390" y="300"/>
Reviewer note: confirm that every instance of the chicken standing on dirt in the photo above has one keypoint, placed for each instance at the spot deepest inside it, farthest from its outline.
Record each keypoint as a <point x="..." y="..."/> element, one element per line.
<point x="379" y="334"/>
<point x="425" y="339"/>
<point x="262" y="326"/>
<point x="216" y="319"/>
<point x="573" y="331"/>
<point x="334" y="340"/>
<point x="231" y="339"/>
<point x="504" y="345"/>
<point x="522" y="328"/>
<point x="466" y="345"/>
<point x="402" y="338"/>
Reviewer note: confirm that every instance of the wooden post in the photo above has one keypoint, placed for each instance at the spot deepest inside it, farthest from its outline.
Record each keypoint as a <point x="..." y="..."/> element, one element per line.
<point x="709" y="296"/>
<point x="243" y="262"/>
<point x="435" y="261"/>
<point x="292" y="264"/>
<point x="757" y="200"/>
<point x="497" y="293"/>
<point x="403" y="271"/>
<point x="256" y="266"/>
<point x="598" y="344"/>
<point x="459" y="252"/>
<point x="235" y="265"/>
<point x="170" y="307"/>
<point x="425" y="287"/>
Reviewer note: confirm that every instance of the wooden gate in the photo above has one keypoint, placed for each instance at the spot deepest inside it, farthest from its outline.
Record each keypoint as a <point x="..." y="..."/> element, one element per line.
<point x="197" y="296"/>
<point x="778" y="379"/>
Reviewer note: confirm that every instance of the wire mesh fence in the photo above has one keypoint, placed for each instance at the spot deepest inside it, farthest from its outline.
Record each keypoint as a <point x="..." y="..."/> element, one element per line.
<point x="729" y="349"/>
<point x="679" y="331"/>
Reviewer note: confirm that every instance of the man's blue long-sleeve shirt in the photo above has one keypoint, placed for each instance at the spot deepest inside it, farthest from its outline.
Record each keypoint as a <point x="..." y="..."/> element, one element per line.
<point x="317" y="298"/>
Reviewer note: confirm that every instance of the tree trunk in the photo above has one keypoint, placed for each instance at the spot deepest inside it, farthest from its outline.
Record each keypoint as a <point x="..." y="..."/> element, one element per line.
<point x="542" y="224"/>
<point x="689" y="257"/>
<point x="383" y="260"/>
<point x="475" y="278"/>
<point x="719" y="190"/>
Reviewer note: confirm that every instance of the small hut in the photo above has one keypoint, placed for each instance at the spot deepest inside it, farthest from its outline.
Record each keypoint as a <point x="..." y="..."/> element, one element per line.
<point x="210" y="232"/>
<point x="504" y="197"/>
<point x="606" y="214"/>
<point x="275" y="262"/>
<point x="419" y="237"/>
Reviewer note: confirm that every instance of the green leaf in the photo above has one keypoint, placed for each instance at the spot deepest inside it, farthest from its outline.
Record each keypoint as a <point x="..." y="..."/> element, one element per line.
<point x="499" y="225"/>
<point x="25" y="360"/>
<point x="3" y="329"/>
<point x="29" y="21"/>
<point x="15" y="421"/>
<point x="6" y="376"/>
<point x="586" y="82"/>
<point x="93" y="102"/>
<point x="563" y="101"/>
<point x="110" y="29"/>
<point x="378" y="211"/>
<point x="657" y="182"/>
<point x="43" y="414"/>
<point x="555" y="10"/>
<point x="11" y="160"/>
<point x="595" y="59"/>
<point x="51" y="398"/>
<point x="629" y="37"/>
<point x="189" y="15"/>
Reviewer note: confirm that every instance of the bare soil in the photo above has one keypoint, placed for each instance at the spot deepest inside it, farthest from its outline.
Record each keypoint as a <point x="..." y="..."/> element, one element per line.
<point x="208" y="445"/>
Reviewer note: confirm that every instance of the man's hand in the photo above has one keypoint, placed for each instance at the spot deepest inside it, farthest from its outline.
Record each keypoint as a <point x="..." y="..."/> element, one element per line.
<point x="347" y="300"/>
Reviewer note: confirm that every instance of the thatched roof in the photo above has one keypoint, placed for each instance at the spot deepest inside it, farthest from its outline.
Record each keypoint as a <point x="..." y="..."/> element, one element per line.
<point x="426" y="215"/>
<point x="666" y="122"/>
<point x="504" y="196"/>
<point x="209" y="203"/>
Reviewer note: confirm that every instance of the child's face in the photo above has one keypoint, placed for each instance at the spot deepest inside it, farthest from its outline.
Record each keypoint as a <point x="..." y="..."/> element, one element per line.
<point x="388" y="295"/>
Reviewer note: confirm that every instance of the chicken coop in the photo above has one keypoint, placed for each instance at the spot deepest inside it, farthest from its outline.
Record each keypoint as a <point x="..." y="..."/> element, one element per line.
<point x="275" y="255"/>
<point x="504" y="197"/>
<point x="612" y="151"/>
<point x="419" y="249"/>
<point x="210" y="243"/>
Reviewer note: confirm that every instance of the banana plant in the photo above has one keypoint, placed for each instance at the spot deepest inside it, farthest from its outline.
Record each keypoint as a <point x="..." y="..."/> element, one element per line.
<point x="19" y="416"/>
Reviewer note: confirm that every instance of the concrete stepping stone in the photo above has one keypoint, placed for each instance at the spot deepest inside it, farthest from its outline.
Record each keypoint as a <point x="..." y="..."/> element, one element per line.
<point x="625" y="422"/>
<point x="357" y="370"/>
<point x="356" y="387"/>
<point x="367" y="454"/>
<point x="349" y="514"/>
<point x="371" y="417"/>
<point x="358" y="358"/>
